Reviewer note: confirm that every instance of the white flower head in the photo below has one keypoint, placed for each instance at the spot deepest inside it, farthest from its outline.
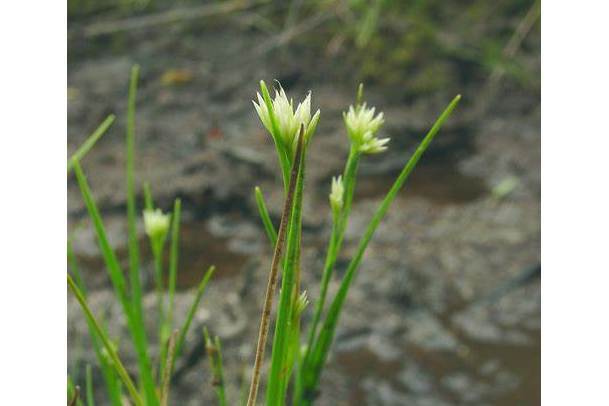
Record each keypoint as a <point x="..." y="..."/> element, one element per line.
<point x="337" y="193"/>
<point x="156" y="223"/>
<point x="362" y="127"/>
<point x="287" y="120"/>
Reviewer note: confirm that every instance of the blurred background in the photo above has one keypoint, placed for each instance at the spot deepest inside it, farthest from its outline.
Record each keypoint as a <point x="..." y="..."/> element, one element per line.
<point x="446" y="307"/>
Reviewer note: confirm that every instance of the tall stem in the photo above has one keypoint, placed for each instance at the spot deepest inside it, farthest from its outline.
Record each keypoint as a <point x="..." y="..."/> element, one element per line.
<point x="272" y="281"/>
<point x="339" y="225"/>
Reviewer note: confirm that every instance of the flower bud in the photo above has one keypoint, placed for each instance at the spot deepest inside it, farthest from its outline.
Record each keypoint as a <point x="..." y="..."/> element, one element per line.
<point x="156" y="224"/>
<point x="301" y="303"/>
<point x="362" y="126"/>
<point x="337" y="193"/>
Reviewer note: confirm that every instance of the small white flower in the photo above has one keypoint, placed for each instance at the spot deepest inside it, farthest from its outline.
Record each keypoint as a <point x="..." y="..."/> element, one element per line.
<point x="288" y="121"/>
<point x="156" y="223"/>
<point x="301" y="302"/>
<point x="372" y="145"/>
<point x="362" y="126"/>
<point x="337" y="193"/>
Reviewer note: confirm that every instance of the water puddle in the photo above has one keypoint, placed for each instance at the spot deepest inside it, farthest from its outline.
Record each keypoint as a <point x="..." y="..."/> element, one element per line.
<point x="439" y="181"/>
<point x="198" y="249"/>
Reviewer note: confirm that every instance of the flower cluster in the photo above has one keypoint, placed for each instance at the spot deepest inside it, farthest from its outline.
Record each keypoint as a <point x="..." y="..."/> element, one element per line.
<point x="337" y="193"/>
<point x="362" y="127"/>
<point x="287" y="120"/>
<point x="156" y="224"/>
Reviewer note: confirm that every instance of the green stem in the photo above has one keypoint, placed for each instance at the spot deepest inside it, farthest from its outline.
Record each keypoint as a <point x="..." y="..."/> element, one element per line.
<point x="339" y="226"/>
<point x="326" y="335"/>
<point x="90" y="141"/>
<point x="167" y="369"/>
<point x="158" y="282"/>
<point x="193" y="309"/>
<point x="264" y="215"/>
<point x="167" y="320"/>
<point x="214" y="351"/>
<point x="283" y="325"/>
<point x="89" y="386"/>
<point x="118" y="365"/>
<point x="272" y="281"/>
<point x="139" y="332"/>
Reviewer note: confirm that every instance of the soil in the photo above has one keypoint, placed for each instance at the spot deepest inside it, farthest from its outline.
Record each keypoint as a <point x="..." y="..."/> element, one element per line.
<point x="445" y="309"/>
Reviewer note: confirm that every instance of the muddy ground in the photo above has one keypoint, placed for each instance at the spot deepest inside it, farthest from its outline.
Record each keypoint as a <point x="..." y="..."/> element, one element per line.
<point x="446" y="306"/>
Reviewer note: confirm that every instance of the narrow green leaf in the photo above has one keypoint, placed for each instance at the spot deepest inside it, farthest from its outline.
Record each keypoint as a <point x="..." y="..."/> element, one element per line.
<point x="118" y="281"/>
<point x="174" y="256"/>
<point x="339" y="227"/>
<point x="167" y="369"/>
<point x="148" y="202"/>
<point x="264" y="215"/>
<point x="214" y="352"/>
<point x="139" y="330"/>
<point x="283" y="326"/>
<point x="326" y="335"/>
<point x="114" y="270"/>
<point x="134" y="277"/>
<point x="74" y="267"/>
<point x="167" y="322"/>
<point x="110" y="379"/>
<point x="116" y="362"/>
<point x="89" y="386"/>
<point x="90" y="141"/>
<point x="193" y="309"/>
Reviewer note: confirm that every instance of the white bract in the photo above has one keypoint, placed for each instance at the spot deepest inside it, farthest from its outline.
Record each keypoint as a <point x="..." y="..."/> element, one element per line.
<point x="156" y="223"/>
<point x="288" y="121"/>
<point x="337" y="193"/>
<point x="362" y="127"/>
<point x="301" y="302"/>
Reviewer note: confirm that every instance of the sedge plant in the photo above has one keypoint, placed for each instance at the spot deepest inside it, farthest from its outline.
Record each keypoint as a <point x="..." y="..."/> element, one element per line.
<point x="298" y="354"/>
<point x="150" y="385"/>
<point x="296" y="365"/>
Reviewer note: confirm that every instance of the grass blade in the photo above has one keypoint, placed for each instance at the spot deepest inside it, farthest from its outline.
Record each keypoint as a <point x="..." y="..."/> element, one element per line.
<point x="269" y="228"/>
<point x="134" y="277"/>
<point x="89" y="386"/>
<point x="116" y="362"/>
<point x="139" y="331"/>
<point x="193" y="309"/>
<point x="167" y="321"/>
<point x="148" y="202"/>
<point x="328" y="330"/>
<point x="214" y="352"/>
<point x="167" y="370"/>
<point x="118" y="281"/>
<point x="173" y="257"/>
<point x="108" y="373"/>
<point x="74" y="267"/>
<point x="90" y="141"/>
<point x="114" y="270"/>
